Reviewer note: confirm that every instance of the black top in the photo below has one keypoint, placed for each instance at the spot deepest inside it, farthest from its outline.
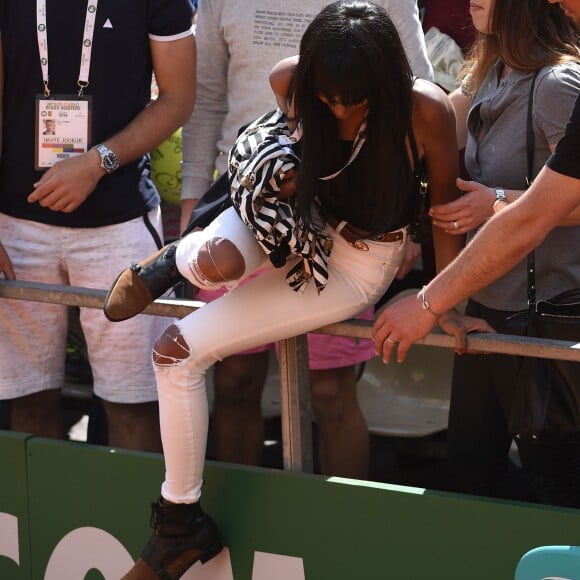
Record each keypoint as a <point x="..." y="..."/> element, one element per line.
<point x="566" y="157"/>
<point x="339" y="196"/>
<point x="119" y="84"/>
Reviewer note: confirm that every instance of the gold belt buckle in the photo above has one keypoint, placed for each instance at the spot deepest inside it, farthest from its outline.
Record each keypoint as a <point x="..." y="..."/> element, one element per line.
<point x="360" y="245"/>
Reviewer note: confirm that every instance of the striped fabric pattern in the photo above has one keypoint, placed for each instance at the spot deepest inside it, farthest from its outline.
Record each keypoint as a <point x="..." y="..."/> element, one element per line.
<point x="257" y="164"/>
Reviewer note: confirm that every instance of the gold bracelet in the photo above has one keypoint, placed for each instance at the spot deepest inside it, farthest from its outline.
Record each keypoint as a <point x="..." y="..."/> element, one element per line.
<point x="425" y="303"/>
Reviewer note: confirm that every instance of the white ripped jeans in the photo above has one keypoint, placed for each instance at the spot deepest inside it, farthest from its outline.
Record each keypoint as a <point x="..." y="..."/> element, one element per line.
<point x="262" y="311"/>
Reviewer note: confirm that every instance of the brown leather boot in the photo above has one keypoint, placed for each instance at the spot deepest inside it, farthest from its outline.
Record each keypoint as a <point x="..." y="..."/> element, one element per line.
<point x="139" y="285"/>
<point x="183" y="534"/>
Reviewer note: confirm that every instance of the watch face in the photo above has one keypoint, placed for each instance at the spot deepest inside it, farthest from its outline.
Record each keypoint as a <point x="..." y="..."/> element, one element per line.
<point x="109" y="161"/>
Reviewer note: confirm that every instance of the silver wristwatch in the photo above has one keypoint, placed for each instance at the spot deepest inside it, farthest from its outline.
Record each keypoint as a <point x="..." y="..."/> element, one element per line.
<point x="109" y="159"/>
<point x="500" y="201"/>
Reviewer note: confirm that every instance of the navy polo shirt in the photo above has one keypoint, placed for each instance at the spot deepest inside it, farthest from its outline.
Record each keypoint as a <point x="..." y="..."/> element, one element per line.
<point x="119" y="85"/>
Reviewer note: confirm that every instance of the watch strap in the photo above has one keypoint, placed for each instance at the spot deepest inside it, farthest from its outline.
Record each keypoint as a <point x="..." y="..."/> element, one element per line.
<point x="500" y="200"/>
<point x="500" y="194"/>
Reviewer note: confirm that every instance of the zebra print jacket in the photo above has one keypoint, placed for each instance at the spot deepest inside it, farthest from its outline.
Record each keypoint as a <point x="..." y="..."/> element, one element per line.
<point x="257" y="164"/>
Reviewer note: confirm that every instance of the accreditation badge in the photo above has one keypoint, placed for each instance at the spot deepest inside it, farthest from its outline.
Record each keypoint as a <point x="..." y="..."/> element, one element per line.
<point x="63" y="128"/>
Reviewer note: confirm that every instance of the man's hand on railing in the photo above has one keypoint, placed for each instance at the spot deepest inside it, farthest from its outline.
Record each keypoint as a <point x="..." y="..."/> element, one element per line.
<point x="400" y="325"/>
<point x="406" y="321"/>
<point x="5" y="264"/>
<point x="459" y="325"/>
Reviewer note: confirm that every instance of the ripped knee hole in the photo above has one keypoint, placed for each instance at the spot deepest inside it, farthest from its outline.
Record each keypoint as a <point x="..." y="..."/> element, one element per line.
<point x="171" y="348"/>
<point x="219" y="260"/>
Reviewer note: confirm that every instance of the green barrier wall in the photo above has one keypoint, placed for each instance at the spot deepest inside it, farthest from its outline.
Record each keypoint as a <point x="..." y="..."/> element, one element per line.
<point x="89" y="513"/>
<point x="14" y="551"/>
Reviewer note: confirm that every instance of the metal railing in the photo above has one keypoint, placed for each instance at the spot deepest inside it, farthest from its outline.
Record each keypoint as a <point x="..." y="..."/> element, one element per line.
<point x="293" y="355"/>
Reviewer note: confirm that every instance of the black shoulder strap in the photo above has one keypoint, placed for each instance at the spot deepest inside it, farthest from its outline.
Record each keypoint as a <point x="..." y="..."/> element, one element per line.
<point x="414" y="152"/>
<point x="530" y="144"/>
<point x="413" y="144"/>
<point x="530" y="141"/>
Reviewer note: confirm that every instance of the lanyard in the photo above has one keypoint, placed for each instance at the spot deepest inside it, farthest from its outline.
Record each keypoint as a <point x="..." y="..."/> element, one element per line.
<point x="87" y="47"/>
<point x="356" y="147"/>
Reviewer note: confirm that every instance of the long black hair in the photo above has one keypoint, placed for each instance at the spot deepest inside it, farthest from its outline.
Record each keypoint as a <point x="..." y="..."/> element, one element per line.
<point x="351" y="51"/>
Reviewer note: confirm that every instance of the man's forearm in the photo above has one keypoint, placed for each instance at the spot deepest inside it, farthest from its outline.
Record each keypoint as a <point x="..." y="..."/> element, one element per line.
<point x="150" y="128"/>
<point x="174" y="64"/>
<point x="496" y="248"/>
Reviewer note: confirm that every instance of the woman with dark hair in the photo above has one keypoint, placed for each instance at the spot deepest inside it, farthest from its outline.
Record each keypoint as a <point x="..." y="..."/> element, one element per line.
<point x="524" y="50"/>
<point x="337" y="78"/>
<point x="359" y="118"/>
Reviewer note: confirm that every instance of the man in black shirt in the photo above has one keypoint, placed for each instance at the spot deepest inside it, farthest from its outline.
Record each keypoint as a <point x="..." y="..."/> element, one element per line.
<point x="77" y="206"/>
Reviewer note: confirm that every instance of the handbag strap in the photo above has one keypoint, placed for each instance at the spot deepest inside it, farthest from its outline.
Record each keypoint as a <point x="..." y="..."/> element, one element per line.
<point x="419" y="173"/>
<point x="417" y="162"/>
<point x="414" y="152"/>
<point x="530" y="139"/>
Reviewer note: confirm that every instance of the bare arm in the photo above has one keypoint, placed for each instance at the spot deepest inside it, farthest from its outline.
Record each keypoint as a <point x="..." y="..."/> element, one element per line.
<point x="461" y="104"/>
<point x="572" y="219"/>
<point x="281" y="80"/>
<point x="485" y="259"/>
<point x="68" y="183"/>
<point x="488" y="257"/>
<point x="434" y="128"/>
<point x="174" y="67"/>
<point x="475" y="206"/>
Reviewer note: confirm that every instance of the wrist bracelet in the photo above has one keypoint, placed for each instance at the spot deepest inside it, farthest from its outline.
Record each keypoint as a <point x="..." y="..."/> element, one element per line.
<point x="425" y="303"/>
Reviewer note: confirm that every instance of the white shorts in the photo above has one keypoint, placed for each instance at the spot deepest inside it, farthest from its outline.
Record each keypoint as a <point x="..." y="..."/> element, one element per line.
<point x="32" y="348"/>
